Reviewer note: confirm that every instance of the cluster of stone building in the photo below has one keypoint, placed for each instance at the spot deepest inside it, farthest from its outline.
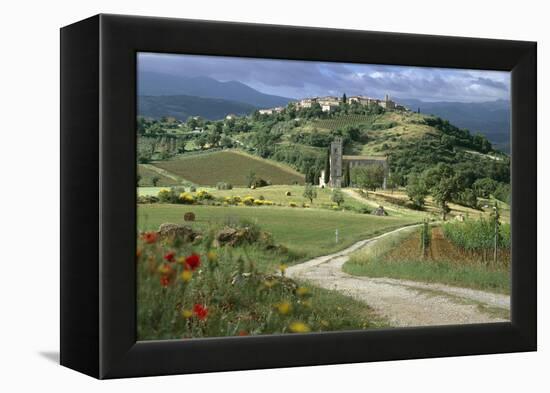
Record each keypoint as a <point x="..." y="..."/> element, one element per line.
<point x="329" y="103"/>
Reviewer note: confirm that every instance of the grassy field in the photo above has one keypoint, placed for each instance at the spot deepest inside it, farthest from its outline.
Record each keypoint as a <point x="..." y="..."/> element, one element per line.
<point x="229" y="166"/>
<point x="385" y="198"/>
<point x="400" y="256"/>
<point x="305" y="232"/>
<point x="147" y="174"/>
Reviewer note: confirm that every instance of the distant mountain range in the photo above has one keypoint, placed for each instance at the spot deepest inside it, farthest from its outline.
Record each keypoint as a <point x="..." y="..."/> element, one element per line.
<point x="491" y="118"/>
<point x="182" y="107"/>
<point x="158" y="84"/>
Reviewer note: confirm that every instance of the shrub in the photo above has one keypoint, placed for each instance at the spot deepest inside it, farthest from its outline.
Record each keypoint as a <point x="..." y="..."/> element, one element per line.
<point x="186" y="198"/>
<point x="248" y="201"/>
<point x="224" y="186"/>
<point x="292" y="204"/>
<point x="260" y="183"/>
<point x="204" y="195"/>
<point x="337" y="197"/>
<point x="166" y="195"/>
<point x="288" y="193"/>
<point x="192" y="189"/>
<point x="147" y="199"/>
<point x="467" y="197"/>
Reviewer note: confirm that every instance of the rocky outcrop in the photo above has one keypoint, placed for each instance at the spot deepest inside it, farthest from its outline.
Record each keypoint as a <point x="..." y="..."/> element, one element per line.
<point x="175" y="231"/>
<point x="379" y="211"/>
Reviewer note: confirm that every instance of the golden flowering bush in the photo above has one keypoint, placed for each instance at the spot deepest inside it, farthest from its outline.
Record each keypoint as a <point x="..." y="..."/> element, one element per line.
<point x="248" y="201"/>
<point x="186" y="197"/>
<point x="195" y="290"/>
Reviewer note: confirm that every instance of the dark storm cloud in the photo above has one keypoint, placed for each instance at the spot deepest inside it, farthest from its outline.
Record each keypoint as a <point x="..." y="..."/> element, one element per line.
<point x="304" y="79"/>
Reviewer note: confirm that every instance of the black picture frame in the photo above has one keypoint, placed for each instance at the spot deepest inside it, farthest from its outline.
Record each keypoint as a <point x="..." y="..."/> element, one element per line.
<point x="98" y="197"/>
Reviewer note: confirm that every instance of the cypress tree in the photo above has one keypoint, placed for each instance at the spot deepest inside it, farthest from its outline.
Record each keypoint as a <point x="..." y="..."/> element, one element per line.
<point x="347" y="176"/>
<point x="327" y="167"/>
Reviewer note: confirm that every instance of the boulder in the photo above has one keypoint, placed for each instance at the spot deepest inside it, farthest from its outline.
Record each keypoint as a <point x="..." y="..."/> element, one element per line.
<point x="379" y="211"/>
<point x="173" y="231"/>
<point x="231" y="236"/>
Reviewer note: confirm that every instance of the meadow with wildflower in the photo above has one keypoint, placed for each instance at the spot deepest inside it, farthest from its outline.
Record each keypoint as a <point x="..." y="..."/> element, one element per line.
<point x="192" y="290"/>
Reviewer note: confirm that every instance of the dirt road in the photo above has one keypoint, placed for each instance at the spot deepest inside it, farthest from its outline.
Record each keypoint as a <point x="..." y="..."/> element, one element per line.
<point x="403" y="302"/>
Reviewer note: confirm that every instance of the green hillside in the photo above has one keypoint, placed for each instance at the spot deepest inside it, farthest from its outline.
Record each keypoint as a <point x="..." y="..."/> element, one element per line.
<point x="413" y="142"/>
<point x="229" y="166"/>
<point x="148" y="175"/>
<point x="300" y="138"/>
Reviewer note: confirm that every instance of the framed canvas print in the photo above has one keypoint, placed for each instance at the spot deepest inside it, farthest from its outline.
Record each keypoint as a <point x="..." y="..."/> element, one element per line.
<point x="239" y="196"/>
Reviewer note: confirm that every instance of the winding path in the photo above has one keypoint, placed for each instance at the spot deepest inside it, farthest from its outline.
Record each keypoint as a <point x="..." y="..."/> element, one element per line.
<point x="404" y="302"/>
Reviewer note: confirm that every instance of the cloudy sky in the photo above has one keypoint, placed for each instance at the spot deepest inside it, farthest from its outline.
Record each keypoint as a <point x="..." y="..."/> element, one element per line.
<point x="298" y="79"/>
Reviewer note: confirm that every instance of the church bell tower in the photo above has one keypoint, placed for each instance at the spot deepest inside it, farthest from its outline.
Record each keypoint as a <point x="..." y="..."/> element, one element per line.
<point x="336" y="163"/>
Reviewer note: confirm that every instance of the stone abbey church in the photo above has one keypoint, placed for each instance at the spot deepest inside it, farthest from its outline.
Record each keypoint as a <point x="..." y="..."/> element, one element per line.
<point x="338" y="161"/>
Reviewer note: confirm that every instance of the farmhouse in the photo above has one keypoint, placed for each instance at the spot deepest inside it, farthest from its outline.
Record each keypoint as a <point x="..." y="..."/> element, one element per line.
<point x="338" y="161"/>
<point x="328" y="107"/>
<point x="362" y="100"/>
<point x="307" y="102"/>
<point x="270" y="111"/>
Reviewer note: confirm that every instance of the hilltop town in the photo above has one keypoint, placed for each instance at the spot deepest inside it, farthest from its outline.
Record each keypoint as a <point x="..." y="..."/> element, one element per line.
<point x="330" y="103"/>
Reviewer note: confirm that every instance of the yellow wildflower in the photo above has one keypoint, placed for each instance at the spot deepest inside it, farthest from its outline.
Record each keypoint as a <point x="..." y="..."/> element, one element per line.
<point x="284" y="308"/>
<point x="212" y="256"/>
<point x="187" y="314"/>
<point x="302" y="291"/>
<point x="299" y="327"/>
<point x="282" y="268"/>
<point x="186" y="275"/>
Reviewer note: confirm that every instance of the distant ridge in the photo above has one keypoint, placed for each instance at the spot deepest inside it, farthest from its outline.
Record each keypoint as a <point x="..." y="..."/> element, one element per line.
<point x="491" y="118"/>
<point x="159" y="84"/>
<point x="182" y="107"/>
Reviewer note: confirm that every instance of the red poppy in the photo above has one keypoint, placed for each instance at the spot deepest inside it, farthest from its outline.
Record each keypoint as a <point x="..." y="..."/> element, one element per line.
<point x="170" y="256"/>
<point x="165" y="280"/>
<point x="149" y="237"/>
<point x="192" y="262"/>
<point x="200" y="311"/>
<point x="243" y="333"/>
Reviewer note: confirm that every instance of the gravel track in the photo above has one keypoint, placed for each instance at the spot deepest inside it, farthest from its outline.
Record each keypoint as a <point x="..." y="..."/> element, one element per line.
<point x="404" y="302"/>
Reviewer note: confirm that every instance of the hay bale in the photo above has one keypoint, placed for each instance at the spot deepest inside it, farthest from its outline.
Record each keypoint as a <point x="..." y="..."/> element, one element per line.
<point x="189" y="216"/>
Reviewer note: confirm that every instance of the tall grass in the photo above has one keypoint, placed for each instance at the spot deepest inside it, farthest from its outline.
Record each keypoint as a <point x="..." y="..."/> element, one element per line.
<point x="446" y="272"/>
